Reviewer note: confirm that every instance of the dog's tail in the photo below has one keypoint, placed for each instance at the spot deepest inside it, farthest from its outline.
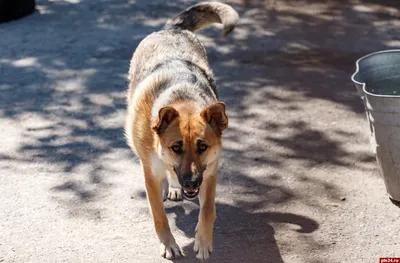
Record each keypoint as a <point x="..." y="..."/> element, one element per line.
<point x="201" y="15"/>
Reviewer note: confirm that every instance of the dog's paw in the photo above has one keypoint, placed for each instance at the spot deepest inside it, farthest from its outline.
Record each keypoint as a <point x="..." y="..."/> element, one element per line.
<point x="174" y="194"/>
<point x="170" y="251"/>
<point x="203" y="244"/>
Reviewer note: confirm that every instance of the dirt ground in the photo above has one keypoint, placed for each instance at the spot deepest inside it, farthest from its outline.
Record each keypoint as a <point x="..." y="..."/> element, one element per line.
<point x="297" y="182"/>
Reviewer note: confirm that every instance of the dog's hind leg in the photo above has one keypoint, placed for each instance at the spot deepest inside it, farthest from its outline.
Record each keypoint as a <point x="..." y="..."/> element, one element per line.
<point x="168" y="247"/>
<point x="174" y="188"/>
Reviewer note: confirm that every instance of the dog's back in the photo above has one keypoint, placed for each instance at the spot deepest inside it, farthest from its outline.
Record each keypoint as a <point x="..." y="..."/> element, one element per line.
<point x="177" y="40"/>
<point x="164" y="50"/>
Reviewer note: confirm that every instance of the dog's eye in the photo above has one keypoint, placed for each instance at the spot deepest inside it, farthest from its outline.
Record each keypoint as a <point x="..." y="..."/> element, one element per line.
<point x="202" y="147"/>
<point x="177" y="149"/>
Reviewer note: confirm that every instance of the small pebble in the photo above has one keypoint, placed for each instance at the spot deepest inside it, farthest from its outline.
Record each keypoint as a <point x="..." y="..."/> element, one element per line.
<point x="343" y="199"/>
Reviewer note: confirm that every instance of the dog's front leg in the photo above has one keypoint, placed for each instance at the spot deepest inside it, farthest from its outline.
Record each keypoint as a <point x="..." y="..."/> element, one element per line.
<point x="203" y="244"/>
<point x="169" y="248"/>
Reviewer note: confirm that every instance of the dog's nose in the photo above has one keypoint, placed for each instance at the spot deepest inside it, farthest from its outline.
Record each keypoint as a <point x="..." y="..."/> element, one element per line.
<point x="192" y="183"/>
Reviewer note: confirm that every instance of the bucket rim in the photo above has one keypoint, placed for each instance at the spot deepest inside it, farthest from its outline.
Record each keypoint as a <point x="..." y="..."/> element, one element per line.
<point x="363" y="83"/>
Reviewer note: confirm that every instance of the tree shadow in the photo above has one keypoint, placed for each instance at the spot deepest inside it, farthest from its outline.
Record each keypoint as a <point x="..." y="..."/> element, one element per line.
<point x="311" y="51"/>
<point x="69" y="91"/>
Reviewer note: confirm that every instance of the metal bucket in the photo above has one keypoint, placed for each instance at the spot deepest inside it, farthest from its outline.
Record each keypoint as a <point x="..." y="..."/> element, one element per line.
<point x="377" y="80"/>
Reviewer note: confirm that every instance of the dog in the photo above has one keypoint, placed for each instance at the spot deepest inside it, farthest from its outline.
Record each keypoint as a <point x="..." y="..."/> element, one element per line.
<point x="175" y="120"/>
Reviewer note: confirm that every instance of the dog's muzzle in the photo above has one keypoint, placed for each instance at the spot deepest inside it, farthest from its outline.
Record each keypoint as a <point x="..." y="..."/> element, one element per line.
<point x="191" y="187"/>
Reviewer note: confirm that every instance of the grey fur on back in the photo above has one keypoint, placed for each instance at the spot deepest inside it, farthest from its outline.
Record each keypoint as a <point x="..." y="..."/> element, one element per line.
<point x="175" y="59"/>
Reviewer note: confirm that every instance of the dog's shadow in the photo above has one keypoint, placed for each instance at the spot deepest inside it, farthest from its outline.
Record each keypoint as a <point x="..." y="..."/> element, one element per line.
<point x="240" y="235"/>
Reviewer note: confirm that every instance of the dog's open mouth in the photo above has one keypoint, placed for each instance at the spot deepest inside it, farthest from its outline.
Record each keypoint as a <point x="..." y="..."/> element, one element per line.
<point x="190" y="194"/>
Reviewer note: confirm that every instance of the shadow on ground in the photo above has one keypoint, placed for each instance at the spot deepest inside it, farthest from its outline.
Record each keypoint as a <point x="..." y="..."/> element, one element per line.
<point x="241" y="234"/>
<point x="70" y="89"/>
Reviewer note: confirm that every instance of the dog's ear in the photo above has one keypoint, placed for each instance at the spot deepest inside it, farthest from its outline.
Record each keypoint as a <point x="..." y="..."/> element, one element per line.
<point x="165" y="116"/>
<point x="215" y="116"/>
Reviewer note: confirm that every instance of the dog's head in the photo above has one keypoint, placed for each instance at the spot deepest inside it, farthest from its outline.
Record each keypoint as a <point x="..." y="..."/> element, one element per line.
<point x="189" y="141"/>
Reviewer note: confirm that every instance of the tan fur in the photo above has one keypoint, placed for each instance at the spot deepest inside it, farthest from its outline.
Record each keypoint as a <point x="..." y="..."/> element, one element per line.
<point x="172" y="100"/>
<point x="188" y="127"/>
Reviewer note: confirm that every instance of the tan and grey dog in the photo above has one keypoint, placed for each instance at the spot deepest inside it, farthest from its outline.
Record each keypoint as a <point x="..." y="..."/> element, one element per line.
<point x="175" y="120"/>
